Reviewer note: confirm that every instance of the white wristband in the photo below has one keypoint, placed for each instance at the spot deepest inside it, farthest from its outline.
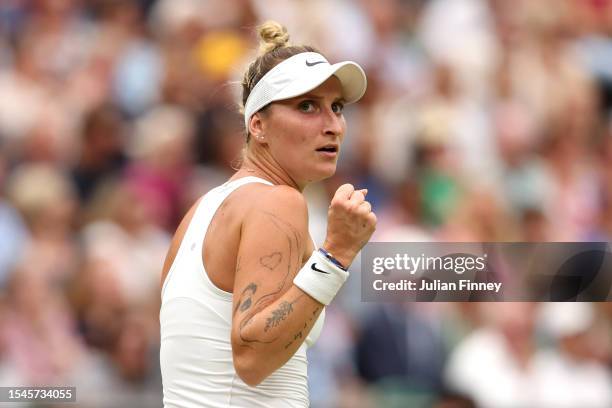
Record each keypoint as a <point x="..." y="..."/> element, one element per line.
<point x="320" y="278"/>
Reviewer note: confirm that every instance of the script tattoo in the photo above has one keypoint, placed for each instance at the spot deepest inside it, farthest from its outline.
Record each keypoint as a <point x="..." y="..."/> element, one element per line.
<point x="299" y="334"/>
<point x="295" y="337"/>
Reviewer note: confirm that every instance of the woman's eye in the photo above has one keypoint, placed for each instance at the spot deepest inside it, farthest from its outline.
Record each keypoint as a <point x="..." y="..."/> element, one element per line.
<point x="307" y="106"/>
<point x="337" y="107"/>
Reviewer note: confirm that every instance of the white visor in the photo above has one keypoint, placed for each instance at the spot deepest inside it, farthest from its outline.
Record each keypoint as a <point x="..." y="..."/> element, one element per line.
<point x="300" y="74"/>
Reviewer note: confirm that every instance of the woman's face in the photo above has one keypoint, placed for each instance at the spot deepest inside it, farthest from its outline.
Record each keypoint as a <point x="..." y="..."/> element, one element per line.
<point x="304" y="133"/>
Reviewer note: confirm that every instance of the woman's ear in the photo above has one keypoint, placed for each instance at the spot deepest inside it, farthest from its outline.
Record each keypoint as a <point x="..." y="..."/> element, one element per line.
<point x="256" y="128"/>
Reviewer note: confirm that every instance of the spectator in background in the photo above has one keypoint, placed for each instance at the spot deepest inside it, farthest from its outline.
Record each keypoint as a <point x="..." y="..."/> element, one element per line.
<point x="102" y="150"/>
<point x="491" y="365"/>
<point x="161" y="162"/>
<point x="23" y="94"/>
<point x="408" y="359"/>
<point x="45" y="197"/>
<point x="124" y="244"/>
<point x="38" y="334"/>
<point x="571" y="374"/>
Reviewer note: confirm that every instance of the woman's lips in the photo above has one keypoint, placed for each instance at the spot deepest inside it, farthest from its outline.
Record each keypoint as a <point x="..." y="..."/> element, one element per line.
<point x="330" y="154"/>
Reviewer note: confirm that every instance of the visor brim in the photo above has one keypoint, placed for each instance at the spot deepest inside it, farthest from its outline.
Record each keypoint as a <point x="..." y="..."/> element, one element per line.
<point x="352" y="79"/>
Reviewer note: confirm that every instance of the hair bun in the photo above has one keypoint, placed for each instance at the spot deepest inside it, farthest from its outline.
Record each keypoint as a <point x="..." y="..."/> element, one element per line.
<point x="273" y="35"/>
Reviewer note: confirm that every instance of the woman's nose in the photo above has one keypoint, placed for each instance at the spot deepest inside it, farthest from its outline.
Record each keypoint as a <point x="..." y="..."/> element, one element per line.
<point x="334" y="123"/>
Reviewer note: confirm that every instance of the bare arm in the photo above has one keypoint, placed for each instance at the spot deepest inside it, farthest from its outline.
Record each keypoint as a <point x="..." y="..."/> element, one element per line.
<point x="271" y="316"/>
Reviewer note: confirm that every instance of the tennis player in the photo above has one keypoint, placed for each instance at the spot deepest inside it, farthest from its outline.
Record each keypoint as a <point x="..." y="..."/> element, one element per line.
<point x="244" y="287"/>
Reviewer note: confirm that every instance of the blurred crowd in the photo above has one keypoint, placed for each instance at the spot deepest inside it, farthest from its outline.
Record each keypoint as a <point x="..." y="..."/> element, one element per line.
<point x="484" y="120"/>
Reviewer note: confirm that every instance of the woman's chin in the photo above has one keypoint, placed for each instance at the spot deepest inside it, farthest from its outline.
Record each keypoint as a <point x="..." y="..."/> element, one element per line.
<point x="324" y="173"/>
<point x="315" y="174"/>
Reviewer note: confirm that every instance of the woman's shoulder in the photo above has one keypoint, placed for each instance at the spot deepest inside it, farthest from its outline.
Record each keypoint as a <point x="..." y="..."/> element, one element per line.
<point x="256" y="198"/>
<point x="264" y="211"/>
<point x="260" y="194"/>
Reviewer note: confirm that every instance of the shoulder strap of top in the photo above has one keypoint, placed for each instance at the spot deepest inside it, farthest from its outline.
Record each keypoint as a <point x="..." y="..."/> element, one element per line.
<point x="210" y="203"/>
<point x="205" y="211"/>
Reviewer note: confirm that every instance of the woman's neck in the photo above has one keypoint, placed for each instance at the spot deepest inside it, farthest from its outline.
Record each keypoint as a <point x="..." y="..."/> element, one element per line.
<point x="260" y="165"/>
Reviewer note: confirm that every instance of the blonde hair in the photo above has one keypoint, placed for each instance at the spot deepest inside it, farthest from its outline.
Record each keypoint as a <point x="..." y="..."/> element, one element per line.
<point x="274" y="47"/>
<point x="273" y="35"/>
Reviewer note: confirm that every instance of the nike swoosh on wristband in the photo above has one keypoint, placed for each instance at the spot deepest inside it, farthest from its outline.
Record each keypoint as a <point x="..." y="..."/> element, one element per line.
<point x="310" y="64"/>
<point x="314" y="268"/>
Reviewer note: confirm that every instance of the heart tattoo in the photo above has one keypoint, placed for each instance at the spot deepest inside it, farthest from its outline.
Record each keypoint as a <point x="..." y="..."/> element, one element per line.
<point x="271" y="261"/>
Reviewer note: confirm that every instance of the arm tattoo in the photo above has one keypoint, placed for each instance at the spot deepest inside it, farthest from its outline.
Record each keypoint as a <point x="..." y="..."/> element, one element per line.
<point x="279" y="315"/>
<point x="293" y="262"/>
<point x="271" y="262"/>
<point x="299" y="335"/>
<point x="295" y="337"/>
<point x="243" y="304"/>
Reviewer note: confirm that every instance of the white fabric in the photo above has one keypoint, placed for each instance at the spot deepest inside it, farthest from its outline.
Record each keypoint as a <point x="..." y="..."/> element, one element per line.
<point x="483" y="367"/>
<point x="322" y="286"/>
<point x="564" y="319"/>
<point x="195" y="323"/>
<point x="561" y="381"/>
<point x="302" y="73"/>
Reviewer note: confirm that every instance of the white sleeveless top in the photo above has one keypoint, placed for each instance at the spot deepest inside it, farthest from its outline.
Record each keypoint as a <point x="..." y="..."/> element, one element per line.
<point x="195" y="323"/>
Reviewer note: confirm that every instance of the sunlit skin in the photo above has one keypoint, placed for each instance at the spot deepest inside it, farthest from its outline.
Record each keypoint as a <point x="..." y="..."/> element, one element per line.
<point x="286" y="135"/>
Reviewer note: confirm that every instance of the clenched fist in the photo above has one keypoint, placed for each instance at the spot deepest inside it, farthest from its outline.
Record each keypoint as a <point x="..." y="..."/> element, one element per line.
<point x="350" y="223"/>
